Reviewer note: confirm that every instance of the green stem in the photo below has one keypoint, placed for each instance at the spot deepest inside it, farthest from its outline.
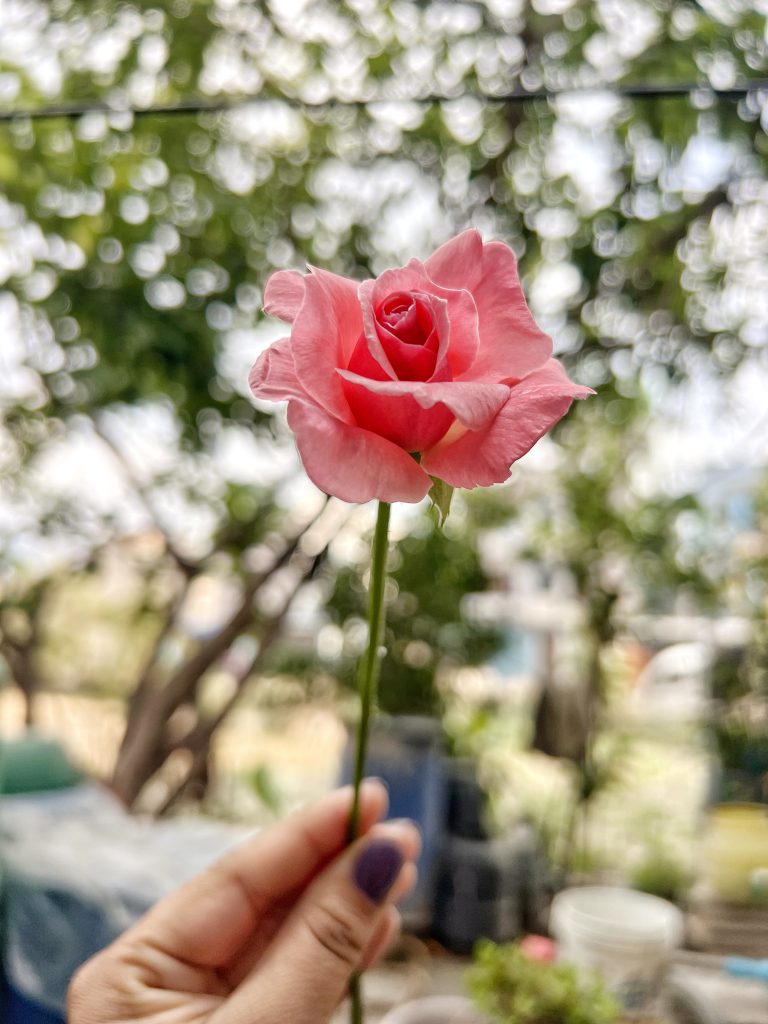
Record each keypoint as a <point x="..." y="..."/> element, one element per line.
<point x="368" y="677"/>
<point x="369" y="664"/>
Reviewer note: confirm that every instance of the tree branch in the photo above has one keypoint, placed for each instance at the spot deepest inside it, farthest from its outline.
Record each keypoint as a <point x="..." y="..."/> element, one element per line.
<point x="144" y="685"/>
<point x="19" y="658"/>
<point x="183" y="681"/>
<point x="143" y="741"/>
<point x="198" y="739"/>
<point x="187" y="566"/>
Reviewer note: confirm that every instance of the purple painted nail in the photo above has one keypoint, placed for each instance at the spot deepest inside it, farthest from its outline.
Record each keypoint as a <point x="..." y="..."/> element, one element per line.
<point x="377" y="868"/>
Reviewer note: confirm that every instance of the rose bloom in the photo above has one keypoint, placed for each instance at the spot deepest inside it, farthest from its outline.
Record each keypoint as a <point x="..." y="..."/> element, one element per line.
<point x="436" y="369"/>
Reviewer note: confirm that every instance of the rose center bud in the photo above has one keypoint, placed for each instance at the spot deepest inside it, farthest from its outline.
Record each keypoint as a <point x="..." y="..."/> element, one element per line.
<point x="407" y="333"/>
<point x="407" y="317"/>
<point x="406" y="326"/>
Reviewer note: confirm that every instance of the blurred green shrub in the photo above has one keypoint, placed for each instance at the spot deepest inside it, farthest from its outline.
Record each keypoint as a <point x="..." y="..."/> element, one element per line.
<point x="512" y="988"/>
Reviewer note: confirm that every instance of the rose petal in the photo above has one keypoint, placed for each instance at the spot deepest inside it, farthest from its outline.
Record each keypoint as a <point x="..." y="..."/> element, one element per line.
<point x="457" y="263"/>
<point x="363" y="362"/>
<point x="324" y="335"/>
<point x="273" y="375"/>
<point x="408" y="316"/>
<point x="397" y="417"/>
<point x="342" y="292"/>
<point x="456" y="323"/>
<point x="353" y="464"/>
<point x="511" y="342"/>
<point x="409" y="362"/>
<point x="284" y="294"/>
<point x="484" y="457"/>
<point x="394" y="415"/>
<point x="474" y="405"/>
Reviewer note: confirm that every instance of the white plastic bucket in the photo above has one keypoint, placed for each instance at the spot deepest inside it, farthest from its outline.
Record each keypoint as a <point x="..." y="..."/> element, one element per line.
<point x="623" y="935"/>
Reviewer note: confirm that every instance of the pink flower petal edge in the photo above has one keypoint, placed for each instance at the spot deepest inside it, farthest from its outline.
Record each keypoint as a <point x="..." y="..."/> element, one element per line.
<point x="353" y="464"/>
<point x="323" y="336"/>
<point x="472" y="404"/>
<point x="479" y="458"/>
<point x="284" y="295"/>
<point x="511" y="342"/>
<point x="273" y="375"/>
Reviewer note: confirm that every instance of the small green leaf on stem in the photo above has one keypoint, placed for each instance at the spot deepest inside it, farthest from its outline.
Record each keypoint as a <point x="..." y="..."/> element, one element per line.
<point x="440" y="494"/>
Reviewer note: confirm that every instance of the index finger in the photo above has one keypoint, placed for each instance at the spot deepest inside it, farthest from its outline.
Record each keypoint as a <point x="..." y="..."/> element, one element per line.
<point x="207" y="921"/>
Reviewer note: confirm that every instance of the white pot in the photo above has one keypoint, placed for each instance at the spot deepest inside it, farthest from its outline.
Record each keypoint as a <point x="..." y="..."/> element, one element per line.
<point x="626" y="936"/>
<point x="435" y="1010"/>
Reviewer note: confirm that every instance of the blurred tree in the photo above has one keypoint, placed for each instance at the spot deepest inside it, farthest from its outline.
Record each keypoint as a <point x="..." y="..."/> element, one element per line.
<point x="133" y="249"/>
<point x="626" y="550"/>
<point x="20" y="620"/>
<point x="621" y="546"/>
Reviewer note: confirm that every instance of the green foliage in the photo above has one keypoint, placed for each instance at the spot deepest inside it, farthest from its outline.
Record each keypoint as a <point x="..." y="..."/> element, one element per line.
<point x="161" y="231"/>
<point x="262" y="783"/>
<point x="729" y="680"/>
<point x="511" y="988"/>
<point x="134" y="251"/>
<point x="661" y="874"/>
<point x="426" y="631"/>
<point x="172" y="224"/>
<point x="466" y="729"/>
<point x="740" y="743"/>
<point x="607" y="534"/>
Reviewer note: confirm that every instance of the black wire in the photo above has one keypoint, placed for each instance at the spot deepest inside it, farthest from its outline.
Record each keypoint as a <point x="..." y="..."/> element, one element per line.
<point x="199" y="106"/>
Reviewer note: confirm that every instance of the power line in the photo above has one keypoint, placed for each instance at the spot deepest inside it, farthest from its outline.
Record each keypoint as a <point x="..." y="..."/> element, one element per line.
<point x="519" y="95"/>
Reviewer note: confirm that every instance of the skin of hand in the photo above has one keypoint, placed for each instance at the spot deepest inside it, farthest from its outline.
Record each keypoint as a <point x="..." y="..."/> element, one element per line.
<point x="270" y="934"/>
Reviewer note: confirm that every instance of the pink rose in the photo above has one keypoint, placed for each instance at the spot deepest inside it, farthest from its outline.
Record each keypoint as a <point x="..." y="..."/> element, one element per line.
<point x="440" y="359"/>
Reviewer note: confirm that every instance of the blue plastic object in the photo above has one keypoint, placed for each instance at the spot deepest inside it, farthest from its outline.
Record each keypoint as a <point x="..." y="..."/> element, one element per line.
<point x="18" y="1010"/>
<point x="406" y="753"/>
<point x="15" y="1009"/>
<point x="744" y="967"/>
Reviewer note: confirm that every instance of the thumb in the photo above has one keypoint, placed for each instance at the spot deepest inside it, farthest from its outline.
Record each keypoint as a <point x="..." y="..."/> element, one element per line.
<point x="328" y="935"/>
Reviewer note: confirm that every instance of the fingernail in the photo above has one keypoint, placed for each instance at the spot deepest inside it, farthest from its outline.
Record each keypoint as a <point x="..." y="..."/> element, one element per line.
<point x="377" y="778"/>
<point x="403" y="821"/>
<point x="377" y="868"/>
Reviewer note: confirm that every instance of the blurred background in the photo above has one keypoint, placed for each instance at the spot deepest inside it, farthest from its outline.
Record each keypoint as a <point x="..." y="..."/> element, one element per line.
<point x="580" y="657"/>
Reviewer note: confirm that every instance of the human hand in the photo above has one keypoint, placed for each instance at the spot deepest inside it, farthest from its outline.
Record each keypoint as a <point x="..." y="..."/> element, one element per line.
<point x="270" y="934"/>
